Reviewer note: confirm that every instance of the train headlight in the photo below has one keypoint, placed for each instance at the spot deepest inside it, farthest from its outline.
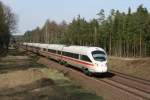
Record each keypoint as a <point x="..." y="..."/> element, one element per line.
<point x="106" y="64"/>
<point x="96" y="64"/>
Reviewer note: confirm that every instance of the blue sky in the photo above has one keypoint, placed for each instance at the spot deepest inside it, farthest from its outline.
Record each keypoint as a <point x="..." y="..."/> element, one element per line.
<point x="33" y="13"/>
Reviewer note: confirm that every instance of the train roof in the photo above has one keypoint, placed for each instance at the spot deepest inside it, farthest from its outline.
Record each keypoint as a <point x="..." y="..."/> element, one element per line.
<point x="81" y="49"/>
<point x="72" y="48"/>
<point x="35" y="44"/>
<point x="56" y="46"/>
<point x="43" y="45"/>
<point x="29" y="44"/>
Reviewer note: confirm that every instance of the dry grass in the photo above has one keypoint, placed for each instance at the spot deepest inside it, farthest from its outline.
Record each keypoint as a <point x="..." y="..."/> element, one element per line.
<point x="138" y="67"/>
<point x="22" y="78"/>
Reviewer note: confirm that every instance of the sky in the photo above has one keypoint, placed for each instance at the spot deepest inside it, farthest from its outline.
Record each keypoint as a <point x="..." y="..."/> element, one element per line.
<point x="33" y="13"/>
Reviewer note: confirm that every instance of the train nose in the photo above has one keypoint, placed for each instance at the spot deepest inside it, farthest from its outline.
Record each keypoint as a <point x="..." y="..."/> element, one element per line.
<point x="100" y="67"/>
<point x="101" y="64"/>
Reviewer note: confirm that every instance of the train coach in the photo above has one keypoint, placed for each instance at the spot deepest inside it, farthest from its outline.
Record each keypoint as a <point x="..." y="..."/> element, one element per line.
<point x="89" y="59"/>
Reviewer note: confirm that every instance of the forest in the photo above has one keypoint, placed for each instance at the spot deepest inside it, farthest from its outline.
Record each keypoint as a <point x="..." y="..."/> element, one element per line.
<point x="122" y="34"/>
<point x="8" y="22"/>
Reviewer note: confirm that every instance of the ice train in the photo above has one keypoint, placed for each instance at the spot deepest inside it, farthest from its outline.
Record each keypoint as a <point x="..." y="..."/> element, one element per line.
<point x="88" y="59"/>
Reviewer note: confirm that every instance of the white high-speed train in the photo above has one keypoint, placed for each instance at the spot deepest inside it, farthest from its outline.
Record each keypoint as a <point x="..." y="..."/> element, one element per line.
<point x="89" y="59"/>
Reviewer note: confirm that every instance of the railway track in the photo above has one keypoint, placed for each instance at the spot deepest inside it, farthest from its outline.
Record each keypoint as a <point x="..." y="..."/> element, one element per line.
<point x="118" y="87"/>
<point x="113" y="88"/>
<point x="133" y="85"/>
<point x="140" y="84"/>
<point x="135" y="91"/>
<point x="140" y="80"/>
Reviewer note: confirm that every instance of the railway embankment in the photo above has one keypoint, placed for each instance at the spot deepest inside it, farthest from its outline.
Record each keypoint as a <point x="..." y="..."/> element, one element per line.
<point x="23" y="78"/>
<point x="27" y="76"/>
<point x="137" y="67"/>
<point x="101" y="86"/>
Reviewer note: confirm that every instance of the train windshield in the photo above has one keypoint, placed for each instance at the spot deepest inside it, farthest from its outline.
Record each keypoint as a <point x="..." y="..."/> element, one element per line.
<point x="99" y="55"/>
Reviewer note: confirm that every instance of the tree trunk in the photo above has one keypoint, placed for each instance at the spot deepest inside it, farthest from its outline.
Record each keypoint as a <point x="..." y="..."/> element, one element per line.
<point x="140" y="45"/>
<point x="110" y="43"/>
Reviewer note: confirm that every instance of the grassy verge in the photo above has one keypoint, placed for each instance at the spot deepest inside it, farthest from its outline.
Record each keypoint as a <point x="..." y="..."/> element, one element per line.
<point x="22" y="78"/>
<point x="67" y="89"/>
<point x="138" y="67"/>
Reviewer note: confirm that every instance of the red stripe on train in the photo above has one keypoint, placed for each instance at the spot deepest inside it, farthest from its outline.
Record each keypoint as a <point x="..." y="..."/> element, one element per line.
<point x="69" y="58"/>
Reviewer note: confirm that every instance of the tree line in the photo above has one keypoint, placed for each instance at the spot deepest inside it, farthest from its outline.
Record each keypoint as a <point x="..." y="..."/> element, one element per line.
<point x="120" y="34"/>
<point x="7" y="26"/>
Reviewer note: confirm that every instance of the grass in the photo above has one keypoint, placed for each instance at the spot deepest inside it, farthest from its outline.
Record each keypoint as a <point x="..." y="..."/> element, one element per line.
<point x="16" y="52"/>
<point x="134" y="67"/>
<point x="25" y="79"/>
<point x="67" y="89"/>
<point x="33" y="61"/>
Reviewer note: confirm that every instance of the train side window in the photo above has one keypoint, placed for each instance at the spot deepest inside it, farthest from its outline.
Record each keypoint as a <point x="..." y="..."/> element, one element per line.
<point x="49" y="50"/>
<point x="44" y="49"/>
<point x="76" y="56"/>
<point x="85" y="58"/>
<point x="38" y="48"/>
<point x="59" y="52"/>
<point x="52" y="51"/>
<point x="63" y="53"/>
<point x="69" y="54"/>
